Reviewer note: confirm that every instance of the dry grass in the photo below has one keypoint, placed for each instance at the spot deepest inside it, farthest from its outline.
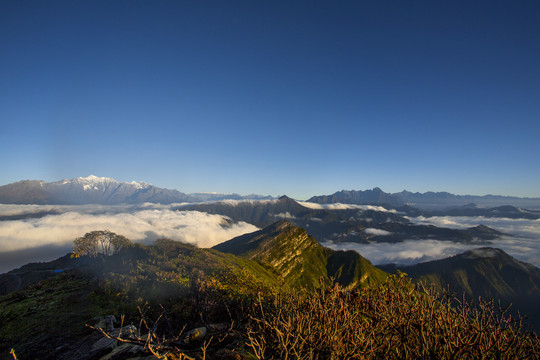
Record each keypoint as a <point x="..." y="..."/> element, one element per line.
<point x="391" y="321"/>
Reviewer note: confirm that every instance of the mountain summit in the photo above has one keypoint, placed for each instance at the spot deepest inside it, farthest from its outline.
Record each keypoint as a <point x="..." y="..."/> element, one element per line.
<point x="88" y="190"/>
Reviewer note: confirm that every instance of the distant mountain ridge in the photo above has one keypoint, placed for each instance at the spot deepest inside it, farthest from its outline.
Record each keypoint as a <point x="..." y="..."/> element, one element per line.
<point x="100" y="190"/>
<point x="374" y="196"/>
<point x="108" y="191"/>
<point x="425" y="201"/>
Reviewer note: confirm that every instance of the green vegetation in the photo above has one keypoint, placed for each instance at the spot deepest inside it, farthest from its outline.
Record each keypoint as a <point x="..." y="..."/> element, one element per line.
<point x="300" y="259"/>
<point x="276" y="294"/>
<point x="351" y="269"/>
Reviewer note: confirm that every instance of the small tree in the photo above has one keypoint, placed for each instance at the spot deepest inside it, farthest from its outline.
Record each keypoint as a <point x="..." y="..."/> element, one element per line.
<point x="100" y="241"/>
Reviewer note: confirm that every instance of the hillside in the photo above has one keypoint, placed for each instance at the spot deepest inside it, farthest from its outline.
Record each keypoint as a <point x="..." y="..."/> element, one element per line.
<point x="278" y="257"/>
<point x="300" y="258"/>
<point x="487" y="273"/>
<point x="45" y="318"/>
<point x="237" y="299"/>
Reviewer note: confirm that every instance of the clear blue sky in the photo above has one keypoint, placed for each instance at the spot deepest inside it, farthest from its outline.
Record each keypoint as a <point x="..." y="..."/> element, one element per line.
<point x="276" y="97"/>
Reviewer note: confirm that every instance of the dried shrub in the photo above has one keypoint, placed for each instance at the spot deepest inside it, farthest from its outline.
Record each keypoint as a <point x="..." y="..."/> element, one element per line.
<point x="395" y="320"/>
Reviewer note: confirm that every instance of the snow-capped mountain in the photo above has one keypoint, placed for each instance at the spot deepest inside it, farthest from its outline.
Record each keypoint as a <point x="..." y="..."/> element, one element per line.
<point x="88" y="190"/>
<point x="101" y="190"/>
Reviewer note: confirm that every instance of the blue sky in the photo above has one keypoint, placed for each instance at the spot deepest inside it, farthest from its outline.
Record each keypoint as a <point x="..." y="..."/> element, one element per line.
<point x="278" y="97"/>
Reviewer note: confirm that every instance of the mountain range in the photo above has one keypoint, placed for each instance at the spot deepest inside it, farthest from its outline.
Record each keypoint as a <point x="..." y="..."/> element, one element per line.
<point x="100" y="190"/>
<point x="103" y="190"/>
<point x="425" y="201"/>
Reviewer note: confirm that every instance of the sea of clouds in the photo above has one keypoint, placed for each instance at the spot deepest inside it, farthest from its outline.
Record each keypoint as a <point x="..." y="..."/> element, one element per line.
<point x="30" y="233"/>
<point x="521" y="240"/>
<point x="48" y="231"/>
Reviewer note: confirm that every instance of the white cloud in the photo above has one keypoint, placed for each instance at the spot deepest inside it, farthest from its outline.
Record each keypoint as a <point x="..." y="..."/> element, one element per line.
<point x="405" y="252"/>
<point x="373" y="231"/>
<point x="285" y="215"/>
<point x="515" y="227"/>
<point x="339" y="206"/>
<point x="232" y="202"/>
<point x="201" y="229"/>
<point x="522" y="242"/>
<point x="13" y="210"/>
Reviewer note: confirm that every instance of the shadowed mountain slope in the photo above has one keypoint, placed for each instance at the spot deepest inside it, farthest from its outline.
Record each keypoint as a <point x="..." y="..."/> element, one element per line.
<point x="259" y="213"/>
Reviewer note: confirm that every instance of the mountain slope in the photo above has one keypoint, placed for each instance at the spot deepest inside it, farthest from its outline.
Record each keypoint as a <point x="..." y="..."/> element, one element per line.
<point x="486" y="272"/>
<point x="45" y="318"/>
<point x="288" y="249"/>
<point x="300" y="258"/>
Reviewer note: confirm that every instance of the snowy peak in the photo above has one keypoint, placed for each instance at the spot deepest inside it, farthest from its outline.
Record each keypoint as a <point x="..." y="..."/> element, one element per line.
<point x="104" y="190"/>
<point x="88" y="190"/>
<point x="96" y="183"/>
<point x="92" y="179"/>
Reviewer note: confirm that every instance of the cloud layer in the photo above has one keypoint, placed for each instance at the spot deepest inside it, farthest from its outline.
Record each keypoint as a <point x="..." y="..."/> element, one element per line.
<point x="338" y="206"/>
<point x="374" y="231"/>
<point x="201" y="229"/>
<point x="522" y="242"/>
<point x="403" y="253"/>
<point x="47" y="236"/>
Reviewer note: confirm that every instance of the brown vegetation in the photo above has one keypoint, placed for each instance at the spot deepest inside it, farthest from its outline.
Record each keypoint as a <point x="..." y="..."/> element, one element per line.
<point x="99" y="242"/>
<point x="394" y="320"/>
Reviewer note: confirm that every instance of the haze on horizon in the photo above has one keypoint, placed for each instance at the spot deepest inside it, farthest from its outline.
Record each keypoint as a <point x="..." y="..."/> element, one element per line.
<point x="303" y="98"/>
